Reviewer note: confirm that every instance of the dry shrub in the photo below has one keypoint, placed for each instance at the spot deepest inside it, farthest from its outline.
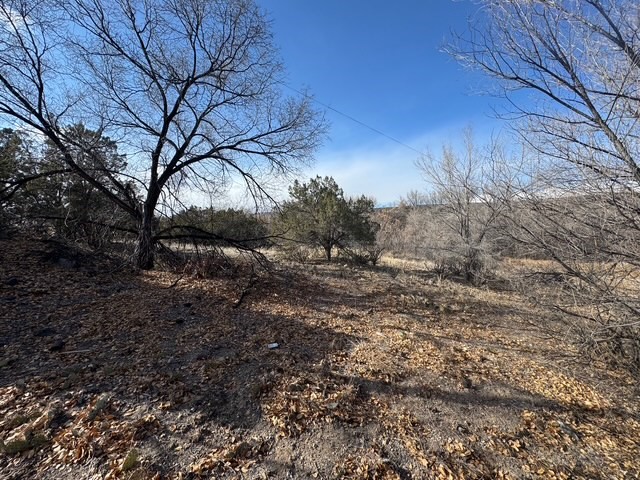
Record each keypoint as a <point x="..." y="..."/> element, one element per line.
<point x="297" y="253"/>
<point x="364" y="254"/>
<point x="196" y="261"/>
<point x="208" y="265"/>
<point x="446" y="266"/>
<point x="587" y="307"/>
<point x="475" y="266"/>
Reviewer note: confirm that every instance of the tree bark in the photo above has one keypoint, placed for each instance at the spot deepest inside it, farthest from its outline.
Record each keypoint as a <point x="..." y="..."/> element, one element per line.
<point x="146" y="243"/>
<point x="145" y="248"/>
<point x="327" y="250"/>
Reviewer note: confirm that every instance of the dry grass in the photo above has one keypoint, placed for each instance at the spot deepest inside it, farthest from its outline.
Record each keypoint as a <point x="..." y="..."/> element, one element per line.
<point x="406" y="264"/>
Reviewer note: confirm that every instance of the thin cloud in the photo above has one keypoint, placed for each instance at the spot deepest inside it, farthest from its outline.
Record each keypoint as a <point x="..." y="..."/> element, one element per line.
<point x="384" y="170"/>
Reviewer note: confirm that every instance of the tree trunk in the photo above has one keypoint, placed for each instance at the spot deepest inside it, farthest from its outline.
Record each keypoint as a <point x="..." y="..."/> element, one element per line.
<point x="145" y="248"/>
<point x="327" y="250"/>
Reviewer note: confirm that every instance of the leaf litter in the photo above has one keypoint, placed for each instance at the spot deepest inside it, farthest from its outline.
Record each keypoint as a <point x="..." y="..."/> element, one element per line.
<point x="376" y="376"/>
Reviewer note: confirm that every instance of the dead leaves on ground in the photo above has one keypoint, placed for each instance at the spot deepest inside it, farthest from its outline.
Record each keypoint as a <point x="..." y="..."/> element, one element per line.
<point x="73" y="433"/>
<point x="237" y="457"/>
<point x="299" y="404"/>
<point x="353" y="356"/>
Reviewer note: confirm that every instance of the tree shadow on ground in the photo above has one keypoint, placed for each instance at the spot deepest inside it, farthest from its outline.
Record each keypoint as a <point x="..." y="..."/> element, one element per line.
<point x="190" y="355"/>
<point x="198" y="361"/>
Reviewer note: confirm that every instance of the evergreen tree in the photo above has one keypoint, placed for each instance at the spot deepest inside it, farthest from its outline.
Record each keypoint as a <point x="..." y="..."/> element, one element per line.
<point x="319" y="214"/>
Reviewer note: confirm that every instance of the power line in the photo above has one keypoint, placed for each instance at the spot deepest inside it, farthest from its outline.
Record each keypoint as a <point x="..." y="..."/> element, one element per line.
<point x="353" y="119"/>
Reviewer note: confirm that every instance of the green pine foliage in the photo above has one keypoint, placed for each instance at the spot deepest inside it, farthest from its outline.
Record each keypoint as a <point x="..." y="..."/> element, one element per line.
<point x="318" y="214"/>
<point x="225" y="227"/>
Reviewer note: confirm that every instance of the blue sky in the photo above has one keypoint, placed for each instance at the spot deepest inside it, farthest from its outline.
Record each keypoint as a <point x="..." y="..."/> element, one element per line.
<point x="381" y="63"/>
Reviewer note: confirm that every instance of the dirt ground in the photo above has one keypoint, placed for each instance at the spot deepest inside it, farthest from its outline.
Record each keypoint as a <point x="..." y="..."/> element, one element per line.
<point x="378" y="373"/>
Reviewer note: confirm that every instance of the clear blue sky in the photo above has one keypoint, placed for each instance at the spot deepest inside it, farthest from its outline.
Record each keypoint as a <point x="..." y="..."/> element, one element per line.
<point x="381" y="63"/>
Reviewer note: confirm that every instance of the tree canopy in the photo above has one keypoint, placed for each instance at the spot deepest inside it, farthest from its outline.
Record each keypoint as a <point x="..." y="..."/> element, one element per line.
<point x="225" y="227"/>
<point x="319" y="214"/>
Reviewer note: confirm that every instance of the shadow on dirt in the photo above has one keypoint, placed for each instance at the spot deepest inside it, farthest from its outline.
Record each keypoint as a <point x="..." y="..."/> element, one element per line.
<point x="197" y="361"/>
<point x="72" y="334"/>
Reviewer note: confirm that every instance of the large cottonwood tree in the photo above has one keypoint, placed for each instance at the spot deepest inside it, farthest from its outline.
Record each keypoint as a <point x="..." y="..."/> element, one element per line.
<point x="190" y="89"/>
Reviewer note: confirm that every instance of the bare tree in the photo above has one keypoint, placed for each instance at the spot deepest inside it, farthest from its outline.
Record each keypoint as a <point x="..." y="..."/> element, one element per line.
<point x="580" y="60"/>
<point x="465" y="205"/>
<point x="190" y="88"/>
<point x="392" y="236"/>
<point x="415" y="199"/>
